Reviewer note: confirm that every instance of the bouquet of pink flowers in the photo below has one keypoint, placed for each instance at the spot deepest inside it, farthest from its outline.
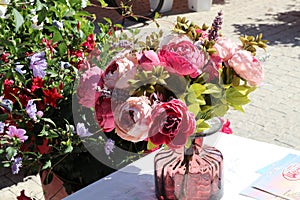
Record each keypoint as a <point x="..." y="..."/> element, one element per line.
<point x="162" y="90"/>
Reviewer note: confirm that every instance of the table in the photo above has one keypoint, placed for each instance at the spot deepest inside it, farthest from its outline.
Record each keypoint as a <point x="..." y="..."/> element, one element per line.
<point x="242" y="158"/>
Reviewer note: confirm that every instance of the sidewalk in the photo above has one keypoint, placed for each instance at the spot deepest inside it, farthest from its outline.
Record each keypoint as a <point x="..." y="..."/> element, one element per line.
<point x="274" y="113"/>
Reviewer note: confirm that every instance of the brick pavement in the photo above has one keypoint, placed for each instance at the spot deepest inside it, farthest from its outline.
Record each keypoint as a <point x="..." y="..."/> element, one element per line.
<point x="274" y="113"/>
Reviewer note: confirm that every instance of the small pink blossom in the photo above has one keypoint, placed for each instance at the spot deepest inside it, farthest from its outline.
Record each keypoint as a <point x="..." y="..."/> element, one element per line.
<point x="14" y="132"/>
<point x="247" y="67"/>
<point x="226" y="127"/>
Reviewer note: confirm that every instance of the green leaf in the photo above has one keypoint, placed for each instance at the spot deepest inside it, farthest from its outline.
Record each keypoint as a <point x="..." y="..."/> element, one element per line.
<point x="150" y="145"/>
<point x="10" y="152"/>
<point x="236" y="97"/>
<point x="194" y="108"/>
<point x="3" y="117"/>
<point x="47" y="165"/>
<point x="42" y="15"/>
<point x="201" y="126"/>
<point x="62" y="49"/>
<point x="57" y="36"/>
<point x="103" y="3"/>
<point x="18" y="18"/>
<point x="49" y="121"/>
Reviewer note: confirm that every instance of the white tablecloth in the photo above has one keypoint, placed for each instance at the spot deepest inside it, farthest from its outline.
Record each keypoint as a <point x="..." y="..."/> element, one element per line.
<point x="242" y="158"/>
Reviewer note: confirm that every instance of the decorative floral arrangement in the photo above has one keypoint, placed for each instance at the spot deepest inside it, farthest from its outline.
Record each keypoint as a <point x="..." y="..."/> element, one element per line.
<point x="163" y="89"/>
<point x="130" y="94"/>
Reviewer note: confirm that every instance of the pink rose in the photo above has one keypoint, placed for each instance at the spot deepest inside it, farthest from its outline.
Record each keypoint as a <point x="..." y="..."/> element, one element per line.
<point x="247" y="67"/>
<point x="147" y="60"/>
<point x="172" y="124"/>
<point x="182" y="58"/>
<point x="132" y="119"/>
<point x="115" y="70"/>
<point x="225" y="48"/>
<point x="86" y="90"/>
<point x="103" y="114"/>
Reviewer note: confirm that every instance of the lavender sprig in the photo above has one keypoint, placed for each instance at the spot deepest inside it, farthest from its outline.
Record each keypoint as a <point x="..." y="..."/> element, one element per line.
<point x="216" y="26"/>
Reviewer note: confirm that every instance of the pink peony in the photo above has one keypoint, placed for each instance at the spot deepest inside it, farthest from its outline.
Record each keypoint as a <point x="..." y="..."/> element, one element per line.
<point x="172" y="124"/>
<point x="182" y="58"/>
<point x="147" y="60"/>
<point x="86" y="90"/>
<point x="247" y="67"/>
<point x="115" y="70"/>
<point x="104" y="115"/>
<point x="225" y="48"/>
<point x="132" y="119"/>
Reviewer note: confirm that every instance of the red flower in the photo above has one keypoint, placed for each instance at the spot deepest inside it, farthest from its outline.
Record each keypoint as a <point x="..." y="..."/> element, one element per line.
<point x="4" y="57"/>
<point x="226" y="129"/>
<point x="90" y="43"/>
<point x="23" y="196"/>
<point x="49" y="44"/>
<point x="37" y="83"/>
<point x="44" y="148"/>
<point x="9" y="89"/>
<point x="51" y="96"/>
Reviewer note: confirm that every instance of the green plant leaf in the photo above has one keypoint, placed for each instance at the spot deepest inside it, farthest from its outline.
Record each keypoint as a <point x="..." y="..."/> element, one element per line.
<point x="11" y="151"/>
<point x="42" y="15"/>
<point x="194" y="108"/>
<point x="18" y="18"/>
<point x="47" y="165"/>
<point x="57" y="36"/>
<point x="62" y="49"/>
<point x="150" y="145"/>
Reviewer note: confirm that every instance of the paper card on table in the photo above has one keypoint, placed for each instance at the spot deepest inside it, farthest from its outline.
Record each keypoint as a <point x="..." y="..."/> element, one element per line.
<point x="258" y="194"/>
<point x="285" y="182"/>
<point x="271" y="168"/>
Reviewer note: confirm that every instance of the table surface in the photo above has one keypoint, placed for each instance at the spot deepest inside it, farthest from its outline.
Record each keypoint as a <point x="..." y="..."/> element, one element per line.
<point x="242" y="158"/>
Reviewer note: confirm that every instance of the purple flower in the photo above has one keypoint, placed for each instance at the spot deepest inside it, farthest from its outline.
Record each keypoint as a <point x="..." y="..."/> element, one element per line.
<point x="58" y="24"/>
<point x="2" y="125"/>
<point x="82" y="131"/>
<point x="17" y="133"/>
<point x="109" y="145"/>
<point x="31" y="110"/>
<point x="17" y="163"/>
<point x="38" y="64"/>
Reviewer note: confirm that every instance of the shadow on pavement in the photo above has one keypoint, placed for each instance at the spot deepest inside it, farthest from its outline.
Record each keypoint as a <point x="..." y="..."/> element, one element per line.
<point x="284" y="31"/>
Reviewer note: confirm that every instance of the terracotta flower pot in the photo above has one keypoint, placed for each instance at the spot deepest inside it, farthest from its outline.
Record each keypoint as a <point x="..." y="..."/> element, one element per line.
<point x="54" y="190"/>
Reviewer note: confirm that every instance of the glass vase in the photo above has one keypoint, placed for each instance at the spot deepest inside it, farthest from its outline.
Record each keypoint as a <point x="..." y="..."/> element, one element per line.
<point x="190" y="173"/>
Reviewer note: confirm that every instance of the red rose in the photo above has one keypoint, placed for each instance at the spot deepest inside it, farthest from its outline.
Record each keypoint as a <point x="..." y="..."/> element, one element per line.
<point x="182" y="58"/>
<point x="172" y="124"/>
<point x="147" y="60"/>
<point x="104" y="115"/>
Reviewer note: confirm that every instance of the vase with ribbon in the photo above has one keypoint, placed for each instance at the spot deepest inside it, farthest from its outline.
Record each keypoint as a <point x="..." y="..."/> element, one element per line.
<point x="195" y="172"/>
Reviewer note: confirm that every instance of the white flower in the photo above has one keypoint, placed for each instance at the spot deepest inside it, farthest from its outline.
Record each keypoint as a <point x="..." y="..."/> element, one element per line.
<point x="83" y="3"/>
<point x="3" y="7"/>
<point x="19" y="69"/>
<point x="35" y="25"/>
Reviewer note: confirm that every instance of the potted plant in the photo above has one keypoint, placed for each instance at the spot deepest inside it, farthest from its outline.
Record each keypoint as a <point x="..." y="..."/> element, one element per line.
<point x="43" y="46"/>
